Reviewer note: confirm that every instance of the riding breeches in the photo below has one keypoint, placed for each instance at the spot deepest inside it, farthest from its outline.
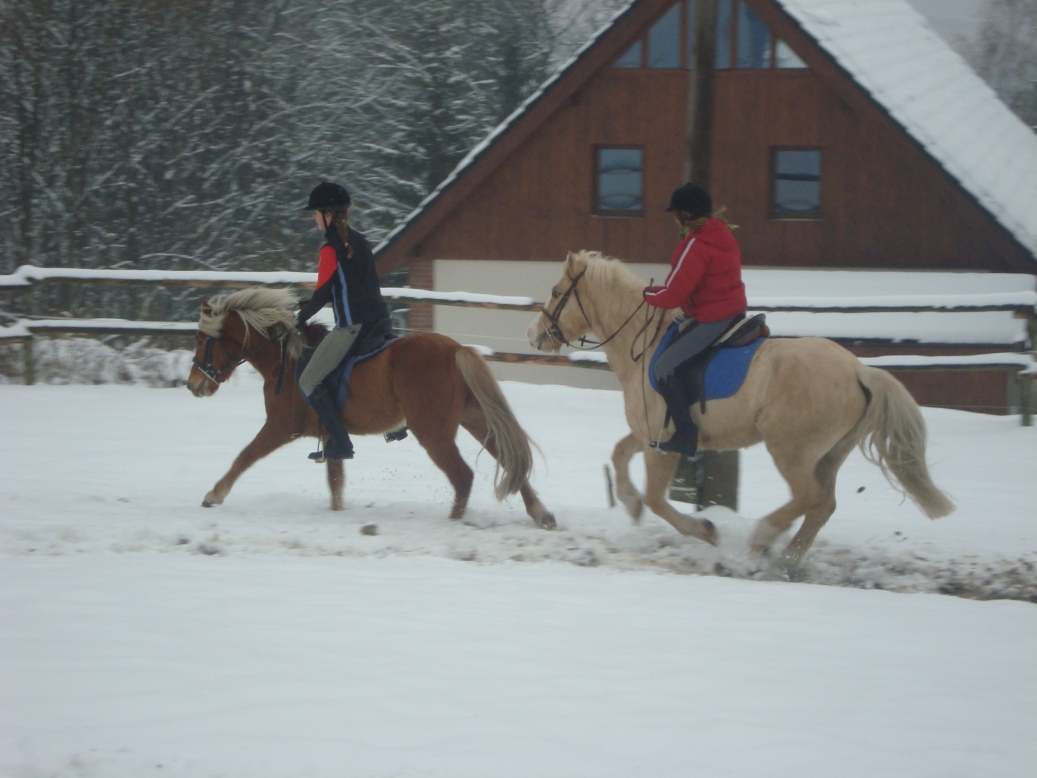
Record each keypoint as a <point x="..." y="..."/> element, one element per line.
<point x="327" y="356"/>
<point x="695" y="338"/>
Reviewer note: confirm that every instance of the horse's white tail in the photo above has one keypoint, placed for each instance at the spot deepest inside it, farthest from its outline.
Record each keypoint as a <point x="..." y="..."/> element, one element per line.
<point x="894" y="438"/>
<point x="514" y="454"/>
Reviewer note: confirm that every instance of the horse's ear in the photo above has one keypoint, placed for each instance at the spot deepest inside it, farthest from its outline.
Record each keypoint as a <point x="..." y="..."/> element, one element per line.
<point x="206" y="308"/>
<point x="570" y="259"/>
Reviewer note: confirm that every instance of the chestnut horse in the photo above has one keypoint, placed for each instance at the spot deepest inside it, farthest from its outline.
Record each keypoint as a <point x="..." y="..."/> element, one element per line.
<point x="426" y="381"/>
<point x="809" y="400"/>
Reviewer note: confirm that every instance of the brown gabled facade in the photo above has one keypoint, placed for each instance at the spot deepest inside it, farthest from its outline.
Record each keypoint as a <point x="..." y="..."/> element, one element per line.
<point x="884" y="201"/>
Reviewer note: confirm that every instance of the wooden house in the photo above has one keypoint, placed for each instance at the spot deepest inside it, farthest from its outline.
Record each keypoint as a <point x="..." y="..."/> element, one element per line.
<point x="847" y="135"/>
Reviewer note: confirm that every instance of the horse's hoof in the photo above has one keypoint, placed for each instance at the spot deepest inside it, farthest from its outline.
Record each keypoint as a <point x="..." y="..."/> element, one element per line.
<point x="206" y="504"/>
<point x="548" y="521"/>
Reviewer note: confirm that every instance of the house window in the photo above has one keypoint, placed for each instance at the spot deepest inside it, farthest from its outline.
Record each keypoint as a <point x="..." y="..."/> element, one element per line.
<point x="725" y="26"/>
<point x="797" y="184"/>
<point x="786" y="58"/>
<point x="619" y="181"/>
<point x="633" y="56"/>
<point x="754" y="40"/>
<point x="664" y="40"/>
<point x="743" y="41"/>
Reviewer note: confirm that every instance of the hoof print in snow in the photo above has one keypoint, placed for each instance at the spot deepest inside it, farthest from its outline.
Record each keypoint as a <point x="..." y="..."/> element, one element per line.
<point x="464" y="555"/>
<point x="585" y="557"/>
<point x="205" y="548"/>
<point x="369" y="529"/>
<point x="183" y="540"/>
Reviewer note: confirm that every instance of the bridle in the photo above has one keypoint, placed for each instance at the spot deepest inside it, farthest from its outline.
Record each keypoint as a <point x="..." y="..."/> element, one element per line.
<point x="207" y="369"/>
<point x="555" y="332"/>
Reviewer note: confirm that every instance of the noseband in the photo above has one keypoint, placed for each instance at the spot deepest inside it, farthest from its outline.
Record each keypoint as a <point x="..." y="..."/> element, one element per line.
<point x="554" y="330"/>
<point x="207" y="369"/>
<point x="552" y="318"/>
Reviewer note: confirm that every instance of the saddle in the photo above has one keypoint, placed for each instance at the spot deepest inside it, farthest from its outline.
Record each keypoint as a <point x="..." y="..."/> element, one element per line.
<point x="378" y="338"/>
<point x="719" y="370"/>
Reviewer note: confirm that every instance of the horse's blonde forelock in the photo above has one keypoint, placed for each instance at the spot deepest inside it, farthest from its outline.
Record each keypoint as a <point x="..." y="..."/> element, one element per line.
<point x="260" y="308"/>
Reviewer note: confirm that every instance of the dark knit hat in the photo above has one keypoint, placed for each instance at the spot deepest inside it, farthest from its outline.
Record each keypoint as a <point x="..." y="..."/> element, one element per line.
<point x="692" y="199"/>
<point x="328" y="197"/>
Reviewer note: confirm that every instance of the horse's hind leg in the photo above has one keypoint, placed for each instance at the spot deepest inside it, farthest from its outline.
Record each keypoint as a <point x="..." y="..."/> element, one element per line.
<point x="826" y="471"/>
<point x="268" y="439"/>
<point x="660" y="469"/>
<point x="625" y="490"/>
<point x="442" y="450"/>
<point x="808" y="495"/>
<point x="474" y="421"/>
<point x="336" y="482"/>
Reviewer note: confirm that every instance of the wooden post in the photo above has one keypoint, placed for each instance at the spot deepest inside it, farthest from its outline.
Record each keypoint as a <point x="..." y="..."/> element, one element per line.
<point x="1026" y="398"/>
<point x="687" y="481"/>
<point x="30" y="362"/>
<point x="701" y="91"/>
<point x="720" y="479"/>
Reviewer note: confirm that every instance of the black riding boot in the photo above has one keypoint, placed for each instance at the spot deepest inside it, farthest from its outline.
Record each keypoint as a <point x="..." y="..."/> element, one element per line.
<point x="338" y="445"/>
<point x="685" y="439"/>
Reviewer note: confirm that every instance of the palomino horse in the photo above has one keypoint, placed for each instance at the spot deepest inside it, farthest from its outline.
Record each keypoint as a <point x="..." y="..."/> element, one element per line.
<point x="426" y="381"/>
<point x="808" y="400"/>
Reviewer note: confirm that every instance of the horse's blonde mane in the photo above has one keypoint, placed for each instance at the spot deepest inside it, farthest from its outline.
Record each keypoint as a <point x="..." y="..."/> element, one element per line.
<point x="260" y="308"/>
<point x="617" y="282"/>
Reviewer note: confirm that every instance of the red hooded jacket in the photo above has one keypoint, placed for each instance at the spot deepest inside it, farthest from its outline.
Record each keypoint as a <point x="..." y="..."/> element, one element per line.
<point x="706" y="276"/>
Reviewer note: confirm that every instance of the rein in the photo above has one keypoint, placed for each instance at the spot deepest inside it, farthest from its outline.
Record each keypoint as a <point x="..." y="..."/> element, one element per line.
<point x="554" y="329"/>
<point x="207" y="369"/>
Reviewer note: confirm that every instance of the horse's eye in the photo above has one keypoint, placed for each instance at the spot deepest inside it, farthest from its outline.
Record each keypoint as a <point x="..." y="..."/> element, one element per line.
<point x="555" y="293"/>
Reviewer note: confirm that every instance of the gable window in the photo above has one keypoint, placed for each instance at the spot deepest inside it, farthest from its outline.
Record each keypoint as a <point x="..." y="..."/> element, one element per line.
<point x="664" y="40"/>
<point x="796" y="183"/>
<point x="754" y="40"/>
<point x="619" y="180"/>
<point x="633" y="56"/>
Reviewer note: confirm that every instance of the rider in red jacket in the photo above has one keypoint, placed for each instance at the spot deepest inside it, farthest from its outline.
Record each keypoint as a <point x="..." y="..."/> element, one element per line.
<point x="705" y="282"/>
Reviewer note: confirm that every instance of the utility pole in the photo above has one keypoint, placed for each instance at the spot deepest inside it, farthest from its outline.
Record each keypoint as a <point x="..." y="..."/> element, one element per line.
<point x="712" y="477"/>
<point x="701" y="95"/>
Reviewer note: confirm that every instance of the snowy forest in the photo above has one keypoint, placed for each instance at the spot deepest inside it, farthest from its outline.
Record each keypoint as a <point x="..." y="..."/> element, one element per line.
<point x="186" y="135"/>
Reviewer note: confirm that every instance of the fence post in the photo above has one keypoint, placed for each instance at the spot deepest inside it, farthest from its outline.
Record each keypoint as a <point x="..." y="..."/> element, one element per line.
<point x="720" y="481"/>
<point x="1026" y="399"/>
<point x="30" y="361"/>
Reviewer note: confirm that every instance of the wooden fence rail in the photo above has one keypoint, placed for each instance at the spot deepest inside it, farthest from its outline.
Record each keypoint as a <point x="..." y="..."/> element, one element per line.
<point x="26" y="278"/>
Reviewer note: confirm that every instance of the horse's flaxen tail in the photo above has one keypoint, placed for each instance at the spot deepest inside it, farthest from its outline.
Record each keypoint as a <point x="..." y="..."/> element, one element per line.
<point x="894" y="438"/>
<point x="514" y="453"/>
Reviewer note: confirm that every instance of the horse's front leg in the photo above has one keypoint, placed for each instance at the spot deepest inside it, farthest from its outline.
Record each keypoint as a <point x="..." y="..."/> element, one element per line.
<point x="268" y="439"/>
<point x="660" y="469"/>
<point x="625" y="489"/>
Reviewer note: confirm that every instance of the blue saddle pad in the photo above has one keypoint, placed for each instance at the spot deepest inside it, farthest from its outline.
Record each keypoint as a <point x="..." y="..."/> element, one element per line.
<point x="726" y="371"/>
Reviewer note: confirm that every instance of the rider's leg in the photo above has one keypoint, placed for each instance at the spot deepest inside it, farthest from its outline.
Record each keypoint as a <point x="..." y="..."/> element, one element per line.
<point x="331" y="351"/>
<point x="679" y="397"/>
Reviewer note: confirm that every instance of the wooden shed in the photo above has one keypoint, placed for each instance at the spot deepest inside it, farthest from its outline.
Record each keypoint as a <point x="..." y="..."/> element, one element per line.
<point x="847" y="135"/>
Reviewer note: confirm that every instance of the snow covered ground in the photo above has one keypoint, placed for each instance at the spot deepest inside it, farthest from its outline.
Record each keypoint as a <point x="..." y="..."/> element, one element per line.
<point x="145" y="635"/>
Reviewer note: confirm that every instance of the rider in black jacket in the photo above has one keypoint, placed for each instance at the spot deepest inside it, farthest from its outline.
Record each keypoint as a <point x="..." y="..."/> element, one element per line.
<point x="346" y="278"/>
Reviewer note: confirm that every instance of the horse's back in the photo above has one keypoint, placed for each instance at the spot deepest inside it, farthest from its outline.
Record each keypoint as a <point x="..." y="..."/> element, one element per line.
<point x="802" y="384"/>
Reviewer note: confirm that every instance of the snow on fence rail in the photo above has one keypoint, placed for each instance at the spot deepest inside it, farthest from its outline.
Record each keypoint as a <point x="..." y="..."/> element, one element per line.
<point x="1022" y="304"/>
<point x="27" y="276"/>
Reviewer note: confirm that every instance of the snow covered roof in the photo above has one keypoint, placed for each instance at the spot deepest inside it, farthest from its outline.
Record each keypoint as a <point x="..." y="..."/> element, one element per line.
<point x="895" y="55"/>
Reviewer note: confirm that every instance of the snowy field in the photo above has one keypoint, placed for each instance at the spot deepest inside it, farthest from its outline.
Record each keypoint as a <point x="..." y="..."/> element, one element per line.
<point x="144" y="635"/>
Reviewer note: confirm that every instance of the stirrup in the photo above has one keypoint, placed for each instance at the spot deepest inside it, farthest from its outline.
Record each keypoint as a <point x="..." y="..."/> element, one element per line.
<point x="674" y="446"/>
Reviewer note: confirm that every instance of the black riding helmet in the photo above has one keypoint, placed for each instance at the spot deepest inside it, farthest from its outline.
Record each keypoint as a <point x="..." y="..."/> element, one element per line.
<point x="692" y="199"/>
<point x="327" y="196"/>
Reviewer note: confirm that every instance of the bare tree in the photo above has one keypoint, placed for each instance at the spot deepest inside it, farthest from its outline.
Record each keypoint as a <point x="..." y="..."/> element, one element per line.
<point x="1005" y="54"/>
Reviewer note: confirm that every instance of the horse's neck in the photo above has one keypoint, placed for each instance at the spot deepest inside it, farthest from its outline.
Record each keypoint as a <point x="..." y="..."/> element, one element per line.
<point x="637" y="330"/>
<point x="267" y="361"/>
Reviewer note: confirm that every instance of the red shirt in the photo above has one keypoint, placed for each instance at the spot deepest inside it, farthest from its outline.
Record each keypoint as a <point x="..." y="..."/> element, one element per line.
<point x="327" y="265"/>
<point x="705" y="279"/>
